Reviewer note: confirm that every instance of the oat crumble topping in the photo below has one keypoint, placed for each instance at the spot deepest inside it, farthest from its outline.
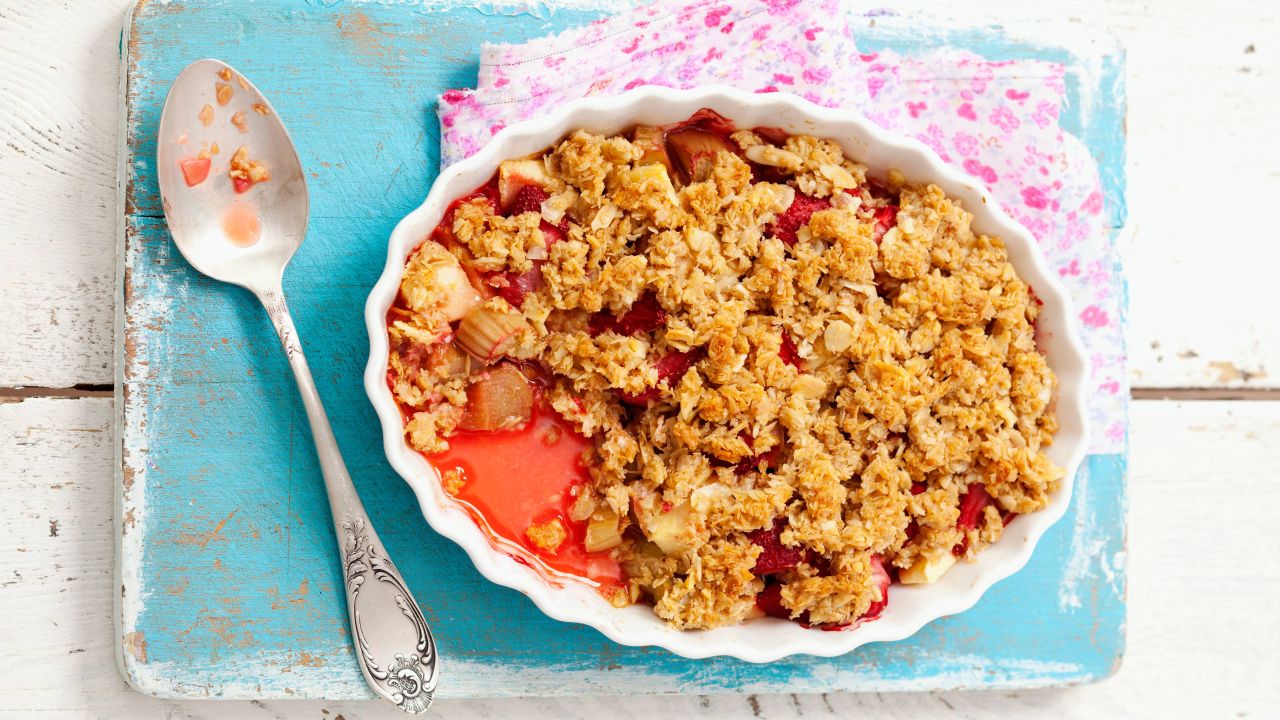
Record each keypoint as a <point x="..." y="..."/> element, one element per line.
<point x="800" y="383"/>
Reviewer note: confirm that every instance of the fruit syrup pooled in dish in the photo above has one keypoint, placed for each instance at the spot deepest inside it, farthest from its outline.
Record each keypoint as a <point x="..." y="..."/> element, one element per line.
<point x="724" y="373"/>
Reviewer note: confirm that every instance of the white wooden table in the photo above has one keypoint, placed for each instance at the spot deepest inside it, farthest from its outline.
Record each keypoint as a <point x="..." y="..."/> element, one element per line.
<point x="1204" y="172"/>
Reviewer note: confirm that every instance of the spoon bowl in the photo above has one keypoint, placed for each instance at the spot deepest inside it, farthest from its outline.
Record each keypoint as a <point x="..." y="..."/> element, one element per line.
<point x="198" y="215"/>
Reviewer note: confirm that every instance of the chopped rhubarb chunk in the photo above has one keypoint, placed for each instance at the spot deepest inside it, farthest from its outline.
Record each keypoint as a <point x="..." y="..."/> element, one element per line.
<point x="695" y="151"/>
<point x="774" y="556"/>
<point x="880" y="576"/>
<point x="195" y="170"/>
<point x="644" y="315"/>
<point x="772" y="135"/>
<point x="708" y="120"/>
<point x="502" y="400"/>
<point x="797" y="216"/>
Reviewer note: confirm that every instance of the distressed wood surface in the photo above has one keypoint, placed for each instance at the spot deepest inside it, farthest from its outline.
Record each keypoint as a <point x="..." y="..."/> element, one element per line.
<point x="1201" y="632"/>
<point x="228" y="575"/>
<point x="1202" y="89"/>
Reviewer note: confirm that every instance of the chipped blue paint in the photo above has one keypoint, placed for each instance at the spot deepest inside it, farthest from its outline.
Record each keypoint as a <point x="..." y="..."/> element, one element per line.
<point x="231" y="584"/>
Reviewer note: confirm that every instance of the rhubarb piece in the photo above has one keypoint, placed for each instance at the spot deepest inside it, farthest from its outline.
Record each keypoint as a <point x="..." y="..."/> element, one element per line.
<point x="796" y="216"/>
<point x="446" y="360"/>
<point x="195" y="170"/>
<point x="651" y="140"/>
<point x="488" y="333"/>
<point x="773" y="135"/>
<point x="774" y="556"/>
<point x="671" y="368"/>
<point x="880" y="576"/>
<point x="515" y="174"/>
<point x="695" y="152"/>
<point x="500" y="400"/>
<point x="707" y="120"/>
<point x="602" y="531"/>
<point x="644" y="315"/>
<point x="671" y="530"/>
<point x="435" y="280"/>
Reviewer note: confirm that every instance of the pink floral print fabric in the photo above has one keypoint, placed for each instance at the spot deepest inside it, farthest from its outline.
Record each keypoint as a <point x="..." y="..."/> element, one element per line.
<point x="998" y="121"/>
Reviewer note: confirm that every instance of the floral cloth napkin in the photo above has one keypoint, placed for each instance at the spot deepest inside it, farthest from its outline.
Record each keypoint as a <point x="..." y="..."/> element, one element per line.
<point x="998" y="121"/>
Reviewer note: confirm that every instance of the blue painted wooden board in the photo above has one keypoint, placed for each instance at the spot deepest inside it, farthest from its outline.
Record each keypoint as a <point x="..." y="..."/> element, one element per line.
<point x="227" y="563"/>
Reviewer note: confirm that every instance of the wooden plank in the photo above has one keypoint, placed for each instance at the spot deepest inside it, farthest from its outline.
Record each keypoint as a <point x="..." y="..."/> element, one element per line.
<point x="1203" y="625"/>
<point x="58" y="118"/>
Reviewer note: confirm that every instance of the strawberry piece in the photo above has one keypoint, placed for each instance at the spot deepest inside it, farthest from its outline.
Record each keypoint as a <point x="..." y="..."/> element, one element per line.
<point x="1007" y="517"/>
<point x="644" y="315"/>
<point x="788" y="352"/>
<point x="195" y="170"/>
<point x="671" y="368"/>
<point x="972" y="503"/>
<point x="774" y="556"/>
<point x="528" y="199"/>
<point x="708" y="120"/>
<point x="770" y="602"/>
<point x="880" y="575"/>
<point x="796" y="216"/>
<point x="886" y="217"/>
<point x="240" y="184"/>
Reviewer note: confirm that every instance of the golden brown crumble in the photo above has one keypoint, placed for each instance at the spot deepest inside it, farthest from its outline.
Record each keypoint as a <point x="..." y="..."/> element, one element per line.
<point x="841" y="374"/>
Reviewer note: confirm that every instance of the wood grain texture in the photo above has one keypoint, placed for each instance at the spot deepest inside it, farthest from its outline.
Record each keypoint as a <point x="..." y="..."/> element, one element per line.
<point x="259" y="609"/>
<point x="1202" y="634"/>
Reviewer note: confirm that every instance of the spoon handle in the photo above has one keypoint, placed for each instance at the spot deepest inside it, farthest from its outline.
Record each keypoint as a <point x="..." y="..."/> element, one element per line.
<point x="394" y="646"/>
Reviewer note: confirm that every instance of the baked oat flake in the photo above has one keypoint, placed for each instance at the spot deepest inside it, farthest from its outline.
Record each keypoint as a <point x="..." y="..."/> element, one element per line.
<point x="799" y="384"/>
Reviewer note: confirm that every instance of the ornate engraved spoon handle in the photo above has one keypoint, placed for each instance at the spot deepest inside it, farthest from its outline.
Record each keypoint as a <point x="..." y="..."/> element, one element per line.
<point x="394" y="646"/>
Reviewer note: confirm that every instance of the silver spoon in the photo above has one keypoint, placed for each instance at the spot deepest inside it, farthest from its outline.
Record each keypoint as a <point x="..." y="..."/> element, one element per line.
<point x="247" y="238"/>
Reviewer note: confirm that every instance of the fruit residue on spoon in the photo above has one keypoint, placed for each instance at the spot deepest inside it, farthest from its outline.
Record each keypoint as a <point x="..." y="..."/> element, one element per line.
<point x="241" y="225"/>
